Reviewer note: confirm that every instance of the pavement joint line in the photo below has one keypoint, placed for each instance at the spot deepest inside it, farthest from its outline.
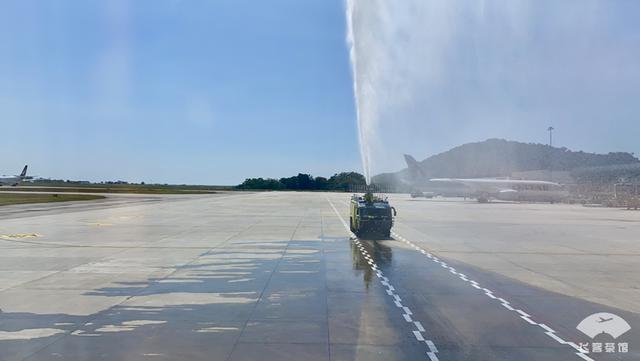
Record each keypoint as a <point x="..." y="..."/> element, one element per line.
<point x="506" y="304"/>
<point x="326" y="281"/>
<point x="120" y="249"/>
<point x="96" y="315"/>
<point x="390" y="291"/>
<point x="262" y="292"/>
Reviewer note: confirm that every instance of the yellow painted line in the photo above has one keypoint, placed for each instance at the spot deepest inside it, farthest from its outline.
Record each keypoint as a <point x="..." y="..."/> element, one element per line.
<point x="98" y="224"/>
<point x="20" y="235"/>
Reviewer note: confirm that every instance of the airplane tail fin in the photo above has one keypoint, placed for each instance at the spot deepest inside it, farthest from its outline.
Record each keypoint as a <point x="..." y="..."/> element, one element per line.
<point x="24" y="172"/>
<point x="411" y="161"/>
<point x="414" y="166"/>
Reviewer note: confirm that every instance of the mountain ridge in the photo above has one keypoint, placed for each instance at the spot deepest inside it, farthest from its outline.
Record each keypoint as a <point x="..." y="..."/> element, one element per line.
<point x="501" y="158"/>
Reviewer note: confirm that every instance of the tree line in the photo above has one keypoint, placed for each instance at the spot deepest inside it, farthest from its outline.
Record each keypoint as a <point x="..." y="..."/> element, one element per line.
<point x="344" y="181"/>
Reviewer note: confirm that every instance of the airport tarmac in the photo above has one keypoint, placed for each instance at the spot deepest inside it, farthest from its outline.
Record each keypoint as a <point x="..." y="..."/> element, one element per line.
<point x="277" y="276"/>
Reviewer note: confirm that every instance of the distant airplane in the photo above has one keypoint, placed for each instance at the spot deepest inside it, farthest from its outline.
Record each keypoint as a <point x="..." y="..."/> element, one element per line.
<point x="15" y="179"/>
<point x="484" y="189"/>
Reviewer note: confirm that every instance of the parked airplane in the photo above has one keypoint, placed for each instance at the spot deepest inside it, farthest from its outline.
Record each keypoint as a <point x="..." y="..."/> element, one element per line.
<point x="15" y="179"/>
<point x="485" y="189"/>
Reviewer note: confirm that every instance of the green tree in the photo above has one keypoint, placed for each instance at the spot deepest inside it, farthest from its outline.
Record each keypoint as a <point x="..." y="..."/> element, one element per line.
<point x="321" y="183"/>
<point x="338" y="182"/>
<point x="346" y="180"/>
<point x="261" y="183"/>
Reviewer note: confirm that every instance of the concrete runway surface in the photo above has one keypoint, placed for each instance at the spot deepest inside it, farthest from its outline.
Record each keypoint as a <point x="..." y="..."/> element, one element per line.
<point x="277" y="276"/>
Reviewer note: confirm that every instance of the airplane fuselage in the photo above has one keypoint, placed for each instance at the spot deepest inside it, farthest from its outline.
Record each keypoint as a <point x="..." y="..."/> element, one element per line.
<point x="485" y="189"/>
<point x="504" y="189"/>
<point x="9" y="181"/>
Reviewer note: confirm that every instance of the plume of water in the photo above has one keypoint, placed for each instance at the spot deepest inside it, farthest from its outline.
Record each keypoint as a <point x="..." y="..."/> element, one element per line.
<point x="353" y="56"/>
<point x="432" y="74"/>
<point x="386" y="47"/>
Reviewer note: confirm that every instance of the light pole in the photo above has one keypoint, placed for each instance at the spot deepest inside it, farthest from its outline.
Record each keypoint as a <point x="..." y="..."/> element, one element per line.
<point x="550" y="129"/>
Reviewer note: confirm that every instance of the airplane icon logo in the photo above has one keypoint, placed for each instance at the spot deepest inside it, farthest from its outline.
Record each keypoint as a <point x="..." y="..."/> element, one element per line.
<point x="604" y="322"/>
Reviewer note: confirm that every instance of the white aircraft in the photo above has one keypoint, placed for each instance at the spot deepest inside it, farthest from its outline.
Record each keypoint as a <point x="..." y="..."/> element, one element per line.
<point x="14" y="180"/>
<point x="486" y="189"/>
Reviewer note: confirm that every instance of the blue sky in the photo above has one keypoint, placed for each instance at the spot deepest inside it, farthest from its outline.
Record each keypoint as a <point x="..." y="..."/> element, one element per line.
<point x="212" y="92"/>
<point x="194" y="91"/>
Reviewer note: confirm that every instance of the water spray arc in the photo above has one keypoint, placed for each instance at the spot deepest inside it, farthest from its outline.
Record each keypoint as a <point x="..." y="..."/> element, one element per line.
<point x="380" y="41"/>
<point x="358" y="89"/>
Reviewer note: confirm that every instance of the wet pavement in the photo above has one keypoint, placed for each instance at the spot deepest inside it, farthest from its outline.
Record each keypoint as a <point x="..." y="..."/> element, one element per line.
<point x="266" y="276"/>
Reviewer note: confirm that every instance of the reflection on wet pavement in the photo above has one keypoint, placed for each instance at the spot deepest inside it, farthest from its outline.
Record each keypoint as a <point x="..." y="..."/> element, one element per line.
<point x="382" y="255"/>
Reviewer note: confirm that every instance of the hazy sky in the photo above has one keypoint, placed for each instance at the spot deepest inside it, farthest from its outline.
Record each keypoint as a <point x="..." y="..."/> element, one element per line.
<point x="212" y="92"/>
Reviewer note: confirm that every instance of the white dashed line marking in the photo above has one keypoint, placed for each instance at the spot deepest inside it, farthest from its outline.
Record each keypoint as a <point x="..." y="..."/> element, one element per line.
<point x="390" y="290"/>
<point x="546" y="328"/>
<point x="432" y="346"/>
<point x="506" y="304"/>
